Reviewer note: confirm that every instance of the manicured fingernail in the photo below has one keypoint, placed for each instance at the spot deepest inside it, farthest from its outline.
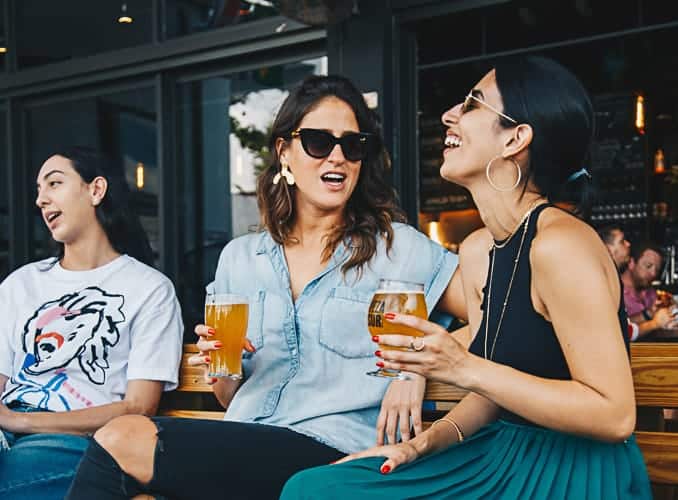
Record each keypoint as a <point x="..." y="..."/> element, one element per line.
<point x="377" y="353"/>
<point x="380" y="364"/>
<point x="218" y="344"/>
<point x="375" y="339"/>
<point x="207" y="359"/>
<point x="214" y="379"/>
<point x="211" y="331"/>
<point x="332" y="463"/>
<point x="389" y="316"/>
<point x="385" y="469"/>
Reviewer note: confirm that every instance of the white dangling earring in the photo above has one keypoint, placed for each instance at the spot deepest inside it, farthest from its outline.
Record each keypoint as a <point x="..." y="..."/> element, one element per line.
<point x="284" y="172"/>
<point x="489" y="179"/>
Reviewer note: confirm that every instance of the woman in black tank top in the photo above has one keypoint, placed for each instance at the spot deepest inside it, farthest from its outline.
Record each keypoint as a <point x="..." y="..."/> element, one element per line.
<point x="551" y="410"/>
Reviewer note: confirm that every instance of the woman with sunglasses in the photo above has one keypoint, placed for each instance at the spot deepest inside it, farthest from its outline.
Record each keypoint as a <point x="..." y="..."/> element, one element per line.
<point x="330" y="234"/>
<point x="551" y="411"/>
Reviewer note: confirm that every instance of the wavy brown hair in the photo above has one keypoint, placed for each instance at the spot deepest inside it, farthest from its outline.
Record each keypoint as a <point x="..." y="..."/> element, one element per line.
<point x="372" y="207"/>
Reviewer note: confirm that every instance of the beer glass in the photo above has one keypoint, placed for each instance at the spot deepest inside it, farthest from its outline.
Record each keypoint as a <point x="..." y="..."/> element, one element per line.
<point x="402" y="297"/>
<point x="227" y="314"/>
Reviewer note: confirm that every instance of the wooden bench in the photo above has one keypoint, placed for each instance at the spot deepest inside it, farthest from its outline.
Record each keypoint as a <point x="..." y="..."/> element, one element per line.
<point x="655" y="378"/>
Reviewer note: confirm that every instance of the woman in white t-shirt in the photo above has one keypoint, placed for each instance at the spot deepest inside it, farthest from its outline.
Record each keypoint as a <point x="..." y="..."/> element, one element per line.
<point x="88" y="335"/>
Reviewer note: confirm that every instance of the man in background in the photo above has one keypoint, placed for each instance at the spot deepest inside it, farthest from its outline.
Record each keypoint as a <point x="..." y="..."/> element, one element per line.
<point x="640" y="298"/>
<point x="617" y="244"/>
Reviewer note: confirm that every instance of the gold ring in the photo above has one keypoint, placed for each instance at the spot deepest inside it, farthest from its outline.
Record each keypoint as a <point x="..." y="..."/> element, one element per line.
<point x="418" y="348"/>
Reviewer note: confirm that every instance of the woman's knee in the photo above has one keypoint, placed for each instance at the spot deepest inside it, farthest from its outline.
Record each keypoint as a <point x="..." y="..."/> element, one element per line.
<point x="131" y="441"/>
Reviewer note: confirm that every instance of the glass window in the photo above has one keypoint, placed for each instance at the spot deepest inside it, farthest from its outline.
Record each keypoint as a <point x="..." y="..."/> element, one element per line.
<point x="4" y="205"/>
<point x="48" y="32"/>
<point x="122" y="125"/>
<point x="223" y="126"/>
<point x="184" y="17"/>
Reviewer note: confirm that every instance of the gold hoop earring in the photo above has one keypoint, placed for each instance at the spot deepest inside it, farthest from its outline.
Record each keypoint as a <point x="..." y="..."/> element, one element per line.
<point x="497" y="188"/>
<point x="284" y="172"/>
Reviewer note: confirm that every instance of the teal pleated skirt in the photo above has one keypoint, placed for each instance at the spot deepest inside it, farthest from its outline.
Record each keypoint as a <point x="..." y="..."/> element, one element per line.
<point x="502" y="460"/>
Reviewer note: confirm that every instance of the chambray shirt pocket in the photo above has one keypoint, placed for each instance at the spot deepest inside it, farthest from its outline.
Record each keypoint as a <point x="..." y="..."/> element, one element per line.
<point x="343" y="323"/>
<point x="255" y="330"/>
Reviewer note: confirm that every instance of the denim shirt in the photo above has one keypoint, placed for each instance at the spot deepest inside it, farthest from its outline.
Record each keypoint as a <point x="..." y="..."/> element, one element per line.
<point x="308" y="373"/>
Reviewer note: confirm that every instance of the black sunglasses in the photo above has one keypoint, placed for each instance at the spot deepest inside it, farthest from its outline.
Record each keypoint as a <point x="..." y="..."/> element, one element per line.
<point x="320" y="143"/>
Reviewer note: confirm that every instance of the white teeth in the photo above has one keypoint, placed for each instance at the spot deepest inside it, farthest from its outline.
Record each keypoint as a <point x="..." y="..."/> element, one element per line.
<point x="452" y="141"/>
<point x="53" y="216"/>
<point x="333" y="177"/>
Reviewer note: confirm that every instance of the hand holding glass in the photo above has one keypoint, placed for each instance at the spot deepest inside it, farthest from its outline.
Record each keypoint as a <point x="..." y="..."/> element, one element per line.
<point x="400" y="297"/>
<point x="227" y="314"/>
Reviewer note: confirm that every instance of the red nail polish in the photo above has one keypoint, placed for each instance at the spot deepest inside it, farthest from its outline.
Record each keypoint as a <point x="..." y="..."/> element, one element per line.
<point x="218" y="344"/>
<point x="207" y="359"/>
<point x="385" y="469"/>
<point x="375" y="339"/>
<point x="380" y="364"/>
<point x="377" y="353"/>
<point x="211" y="331"/>
<point x="214" y="379"/>
<point x="389" y="316"/>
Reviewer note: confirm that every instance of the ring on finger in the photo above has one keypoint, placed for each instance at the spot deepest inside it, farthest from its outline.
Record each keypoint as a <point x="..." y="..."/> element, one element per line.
<point x="419" y="347"/>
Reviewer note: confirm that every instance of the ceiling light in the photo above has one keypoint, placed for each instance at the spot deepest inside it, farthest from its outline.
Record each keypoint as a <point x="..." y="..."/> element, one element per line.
<point x="3" y="50"/>
<point x="124" y="18"/>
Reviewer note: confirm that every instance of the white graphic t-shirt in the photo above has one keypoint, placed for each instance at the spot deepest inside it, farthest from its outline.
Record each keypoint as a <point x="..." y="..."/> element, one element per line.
<point x="73" y="339"/>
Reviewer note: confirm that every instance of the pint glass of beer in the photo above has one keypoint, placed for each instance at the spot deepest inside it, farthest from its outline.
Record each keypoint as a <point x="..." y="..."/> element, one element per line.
<point x="227" y="314"/>
<point x="400" y="297"/>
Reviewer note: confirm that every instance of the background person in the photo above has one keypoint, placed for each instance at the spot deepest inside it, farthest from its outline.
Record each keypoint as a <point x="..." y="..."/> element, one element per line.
<point x="640" y="298"/>
<point x="330" y="235"/>
<point x="542" y="419"/>
<point x="88" y="335"/>
<point x="615" y="240"/>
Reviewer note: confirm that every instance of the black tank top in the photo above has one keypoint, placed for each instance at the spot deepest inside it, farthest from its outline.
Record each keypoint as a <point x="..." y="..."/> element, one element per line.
<point x="526" y="341"/>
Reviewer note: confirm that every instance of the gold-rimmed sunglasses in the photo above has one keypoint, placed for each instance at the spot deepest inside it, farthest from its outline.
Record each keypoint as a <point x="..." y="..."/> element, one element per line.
<point x="468" y="105"/>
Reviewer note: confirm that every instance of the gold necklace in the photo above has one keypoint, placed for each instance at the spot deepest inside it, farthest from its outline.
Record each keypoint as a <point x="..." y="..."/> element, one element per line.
<point x="526" y="218"/>
<point x="520" y="222"/>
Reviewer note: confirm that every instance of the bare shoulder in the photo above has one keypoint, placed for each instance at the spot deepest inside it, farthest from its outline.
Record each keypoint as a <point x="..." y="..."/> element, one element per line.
<point x="563" y="240"/>
<point x="476" y="245"/>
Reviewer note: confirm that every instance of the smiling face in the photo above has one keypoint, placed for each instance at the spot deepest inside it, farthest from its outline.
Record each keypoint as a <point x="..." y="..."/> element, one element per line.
<point x="474" y="136"/>
<point x="66" y="202"/>
<point x="324" y="184"/>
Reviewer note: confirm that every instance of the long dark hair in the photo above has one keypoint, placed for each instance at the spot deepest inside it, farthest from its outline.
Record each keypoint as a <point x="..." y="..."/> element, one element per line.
<point x="547" y="96"/>
<point x="372" y="206"/>
<point x="118" y="220"/>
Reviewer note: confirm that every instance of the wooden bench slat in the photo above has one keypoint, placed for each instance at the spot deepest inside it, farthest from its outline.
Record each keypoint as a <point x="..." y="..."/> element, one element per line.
<point x="660" y="451"/>
<point x="191" y="378"/>
<point x="206" y="415"/>
<point x="655" y="380"/>
<point x="438" y="391"/>
<point x="653" y="349"/>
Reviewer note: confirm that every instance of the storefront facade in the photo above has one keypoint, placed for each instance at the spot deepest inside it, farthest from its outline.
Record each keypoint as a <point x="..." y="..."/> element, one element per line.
<point x="173" y="94"/>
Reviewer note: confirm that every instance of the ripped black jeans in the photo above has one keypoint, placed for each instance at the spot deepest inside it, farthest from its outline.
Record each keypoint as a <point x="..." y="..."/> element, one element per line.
<point x="205" y="459"/>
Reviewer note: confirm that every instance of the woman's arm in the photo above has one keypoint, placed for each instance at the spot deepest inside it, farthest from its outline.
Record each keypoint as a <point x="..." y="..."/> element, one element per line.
<point x="576" y="288"/>
<point x="452" y="300"/>
<point x="142" y="397"/>
<point x="472" y="413"/>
